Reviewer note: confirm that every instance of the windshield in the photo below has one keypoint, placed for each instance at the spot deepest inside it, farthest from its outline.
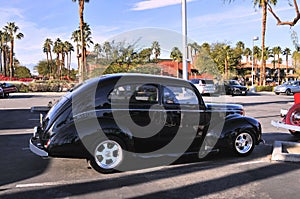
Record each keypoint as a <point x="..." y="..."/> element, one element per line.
<point x="234" y="82"/>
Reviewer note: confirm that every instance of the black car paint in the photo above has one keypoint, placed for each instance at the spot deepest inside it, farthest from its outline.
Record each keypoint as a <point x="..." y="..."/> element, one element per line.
<point x="58" y="133"/>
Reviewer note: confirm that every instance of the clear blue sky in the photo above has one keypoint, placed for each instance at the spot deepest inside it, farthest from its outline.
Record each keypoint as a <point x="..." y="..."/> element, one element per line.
<point x="208" y="21"/>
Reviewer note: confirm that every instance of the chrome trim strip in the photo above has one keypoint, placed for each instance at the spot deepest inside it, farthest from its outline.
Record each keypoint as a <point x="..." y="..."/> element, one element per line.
<point x="159" y="110"/>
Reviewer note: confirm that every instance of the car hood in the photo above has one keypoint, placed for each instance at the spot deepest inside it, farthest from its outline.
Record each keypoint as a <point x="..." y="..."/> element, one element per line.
<point x="239" y="86"/>
<point x="225" y="107"/>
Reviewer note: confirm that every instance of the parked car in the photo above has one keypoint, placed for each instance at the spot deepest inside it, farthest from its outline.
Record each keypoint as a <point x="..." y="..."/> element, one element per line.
<point x="233" y="87"/>
<point x="1" y="93"/>
<point x="290" y="117"/>
<point x="204" y="86"/>
<point x="288" y="88"/>
<point x="8" y="88"/>
<point x="112" y="118"/>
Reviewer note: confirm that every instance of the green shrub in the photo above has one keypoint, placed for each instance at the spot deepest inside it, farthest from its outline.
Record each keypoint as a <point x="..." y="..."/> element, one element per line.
<point x="23" y="88"/>
<point x="264" y="88"/>
<point x="50" y="86"/>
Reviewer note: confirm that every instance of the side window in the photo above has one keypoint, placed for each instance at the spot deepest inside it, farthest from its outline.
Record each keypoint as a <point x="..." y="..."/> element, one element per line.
<point x="121" y="94"/>
<point x="134" y="94"/>
<point x="145" y="94"/>
<point x="179" y="95"/>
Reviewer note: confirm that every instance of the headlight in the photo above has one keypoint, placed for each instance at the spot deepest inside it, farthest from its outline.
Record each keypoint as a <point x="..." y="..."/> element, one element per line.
<point x="282" y="89"/>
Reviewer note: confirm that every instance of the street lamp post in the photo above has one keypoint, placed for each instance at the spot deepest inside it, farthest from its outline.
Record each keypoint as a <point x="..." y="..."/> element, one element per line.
<point x="252" y="75"/>
<point x="184" y="41"/>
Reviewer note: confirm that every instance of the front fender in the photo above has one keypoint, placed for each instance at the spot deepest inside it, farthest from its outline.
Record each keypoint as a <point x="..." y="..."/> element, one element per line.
<point x="238" y="123"/>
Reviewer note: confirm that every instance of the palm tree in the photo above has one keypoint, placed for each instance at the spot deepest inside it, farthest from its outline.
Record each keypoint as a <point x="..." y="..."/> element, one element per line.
<point x="176" y="55"/>
<point x="156" y="49"/>
<point x="240" y="46"/>
<point x="239" y="50"/>
<point x="5" y="51"/>
<point x="97" y="50"/>
<point x="256" y="56"/>
<point x="1" y="50"/>
<point x="47" y="49"/>
<point x="81" y="27"/>
<point x="107" y="49"/>
<point x="277" y="51"/>
<point x="76" y="38"/>
<point x="267" y="54"/>
<point x="205" y="46"/>
<point x="263" y="4"/>
<point x="247" y="53"/>
<point x="12" y="30"/>
<point x="286" y="52"/>
<point x="68" y="48"/>
<point x="227" y="51"/>
<point x="58" y="50"/>
<point x="194" y="48"/>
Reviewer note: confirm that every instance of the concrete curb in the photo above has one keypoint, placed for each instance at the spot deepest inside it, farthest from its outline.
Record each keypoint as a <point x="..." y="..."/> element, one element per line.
<point x="279" y="154"/>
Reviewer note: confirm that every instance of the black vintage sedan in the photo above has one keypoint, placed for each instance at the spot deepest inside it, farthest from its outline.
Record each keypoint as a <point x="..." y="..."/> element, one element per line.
<point x="115" y="121"/>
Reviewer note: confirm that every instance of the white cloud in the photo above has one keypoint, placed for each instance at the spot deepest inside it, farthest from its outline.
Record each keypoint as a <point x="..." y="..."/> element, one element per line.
<point x="9" y="14"/>
<point x="235" y="14"/>
<point x="151" y="4"/>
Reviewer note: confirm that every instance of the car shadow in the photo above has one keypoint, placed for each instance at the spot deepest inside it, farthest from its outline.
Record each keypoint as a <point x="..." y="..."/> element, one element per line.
<point x="20" y="166"/>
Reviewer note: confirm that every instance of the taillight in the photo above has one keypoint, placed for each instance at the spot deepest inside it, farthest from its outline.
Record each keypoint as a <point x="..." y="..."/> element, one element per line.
<point x="48" y="143"/>
<point x="243" y="112"/>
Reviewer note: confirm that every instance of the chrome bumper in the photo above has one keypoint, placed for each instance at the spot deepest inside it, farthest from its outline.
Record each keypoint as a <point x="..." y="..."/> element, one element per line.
<point x="35" y="145"/>
<point x="279" y="124"/>
<point x="37" y="150"/>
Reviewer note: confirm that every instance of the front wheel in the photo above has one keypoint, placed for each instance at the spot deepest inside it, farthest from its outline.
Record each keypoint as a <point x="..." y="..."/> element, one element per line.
<point x="243" y="143"/>
<point x="288" y="92"/>
<point x="108" y="155"/>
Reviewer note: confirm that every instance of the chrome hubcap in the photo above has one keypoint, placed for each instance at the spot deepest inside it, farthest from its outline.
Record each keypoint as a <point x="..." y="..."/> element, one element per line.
<point x="108" y="154"/>
<point x="243" y="143"/>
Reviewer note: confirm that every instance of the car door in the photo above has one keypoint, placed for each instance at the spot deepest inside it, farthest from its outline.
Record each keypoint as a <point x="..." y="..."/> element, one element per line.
<point x="137" y="110"/>
<point x="296" y="88"/>
<point x="186" y="118"/>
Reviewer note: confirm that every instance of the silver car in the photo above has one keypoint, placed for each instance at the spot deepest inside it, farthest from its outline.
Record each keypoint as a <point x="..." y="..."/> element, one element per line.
<point x="204" y="86"/>
<point x="288" y="88"/>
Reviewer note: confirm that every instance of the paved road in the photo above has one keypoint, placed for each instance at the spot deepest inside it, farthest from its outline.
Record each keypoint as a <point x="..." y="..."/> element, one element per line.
<point x="24" y="175"/>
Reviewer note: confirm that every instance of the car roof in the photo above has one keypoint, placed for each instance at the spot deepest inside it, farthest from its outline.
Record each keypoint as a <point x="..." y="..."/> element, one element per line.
<point x="128" y="78"/>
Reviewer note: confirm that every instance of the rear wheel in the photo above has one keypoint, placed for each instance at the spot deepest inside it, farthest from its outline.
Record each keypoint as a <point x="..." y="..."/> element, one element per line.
<point x="243" y="143"/>
<point x="108" y="155"/>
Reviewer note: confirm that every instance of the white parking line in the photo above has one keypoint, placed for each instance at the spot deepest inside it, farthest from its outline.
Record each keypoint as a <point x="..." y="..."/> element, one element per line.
<point x="15" y="132"/>
<point x="35" y="119"/>
<point x="42" y="184"/>
<point x="45" y="184"/>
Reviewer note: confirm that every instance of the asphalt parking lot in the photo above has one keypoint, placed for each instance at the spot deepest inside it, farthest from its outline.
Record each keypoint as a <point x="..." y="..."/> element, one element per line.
<point x="24" y="175"/>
